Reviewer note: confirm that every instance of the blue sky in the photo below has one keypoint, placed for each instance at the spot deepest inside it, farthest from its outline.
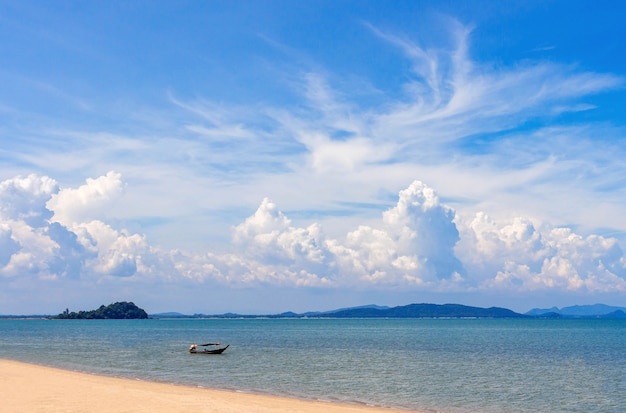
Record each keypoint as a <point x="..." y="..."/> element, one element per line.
<point x="270" y="156"/>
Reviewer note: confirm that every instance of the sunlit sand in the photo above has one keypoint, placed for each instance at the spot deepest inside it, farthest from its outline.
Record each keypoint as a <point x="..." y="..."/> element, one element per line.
<point x="32" y="388"/>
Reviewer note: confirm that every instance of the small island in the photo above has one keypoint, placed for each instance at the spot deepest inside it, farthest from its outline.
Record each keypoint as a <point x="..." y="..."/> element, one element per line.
<point x="116" y="311"/>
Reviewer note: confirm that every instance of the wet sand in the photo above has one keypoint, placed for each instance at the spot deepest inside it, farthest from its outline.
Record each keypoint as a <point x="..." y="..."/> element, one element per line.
<point x="32" y="388"/>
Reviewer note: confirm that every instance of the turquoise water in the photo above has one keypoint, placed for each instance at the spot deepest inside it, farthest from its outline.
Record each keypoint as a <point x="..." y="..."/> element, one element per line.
<point x="451" y="366"/>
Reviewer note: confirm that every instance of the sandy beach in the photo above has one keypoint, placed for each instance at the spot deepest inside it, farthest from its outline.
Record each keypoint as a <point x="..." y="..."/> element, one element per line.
<point x="32" y="388"/>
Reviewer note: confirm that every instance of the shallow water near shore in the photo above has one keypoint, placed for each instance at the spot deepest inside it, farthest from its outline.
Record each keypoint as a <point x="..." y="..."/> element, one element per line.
<point x="452" y="366"/>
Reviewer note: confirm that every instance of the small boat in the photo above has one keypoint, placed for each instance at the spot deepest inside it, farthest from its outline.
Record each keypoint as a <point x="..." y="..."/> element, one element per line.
<point x="209" y="348"/>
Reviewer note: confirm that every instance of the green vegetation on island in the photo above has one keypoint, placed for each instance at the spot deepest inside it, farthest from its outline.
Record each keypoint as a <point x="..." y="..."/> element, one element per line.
<point x="116" y="311"/>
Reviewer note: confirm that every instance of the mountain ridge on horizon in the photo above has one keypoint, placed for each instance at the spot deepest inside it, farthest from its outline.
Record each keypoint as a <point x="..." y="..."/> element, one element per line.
<point x="422" y="310"/>
<point x="588" y="310"/>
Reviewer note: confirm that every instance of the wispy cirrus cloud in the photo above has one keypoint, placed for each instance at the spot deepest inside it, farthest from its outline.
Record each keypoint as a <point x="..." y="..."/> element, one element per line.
<point x="479" y="131"/>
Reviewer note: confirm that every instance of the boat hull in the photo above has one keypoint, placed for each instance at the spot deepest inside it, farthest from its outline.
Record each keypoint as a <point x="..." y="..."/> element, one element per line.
<point x="214" y="351"/>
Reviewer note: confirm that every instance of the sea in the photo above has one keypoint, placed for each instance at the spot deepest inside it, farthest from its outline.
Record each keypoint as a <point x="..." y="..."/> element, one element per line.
<point x="429" y="365"/>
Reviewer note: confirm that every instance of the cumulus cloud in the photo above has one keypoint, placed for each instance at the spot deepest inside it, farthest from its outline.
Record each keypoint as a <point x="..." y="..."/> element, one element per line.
<point x="413" y="246"/>
<point x="23" y="199"/>
<point x="424" y="227"/>
<point x="71" y="206"/>
<point x="25" y="247"/>
<point x="113" y="252"/>
<point x="269" y="234"/>
<point x="279" y="252"/>
<point x="8" y="246"/>
<point x="419" y="243"/>
<point x="517" y="256"/>
<point x="51" y="233"/>
<point x="423" y="244"/>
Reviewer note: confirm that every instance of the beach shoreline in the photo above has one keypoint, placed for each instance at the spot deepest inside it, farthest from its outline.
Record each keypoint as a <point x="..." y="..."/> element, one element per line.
<point x="26" y="387"/>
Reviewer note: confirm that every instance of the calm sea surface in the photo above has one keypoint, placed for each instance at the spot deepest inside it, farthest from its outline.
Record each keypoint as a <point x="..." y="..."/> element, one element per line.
<point x="452" y="366"/>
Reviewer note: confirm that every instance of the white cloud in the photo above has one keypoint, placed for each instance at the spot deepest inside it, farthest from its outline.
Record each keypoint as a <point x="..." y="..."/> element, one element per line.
<point x="279" y="251"/>
<point x="516" y="256"/>
<point x="266" y="222"/>
<point x="452" y="97"/>
<point x="23" y="198"/>
<point x="33" y="252"/>
<point x="116" y="253"/>
<point x="424" y="227"/>
<point x="37" y="243"/>
<point x="8" y="246"/>
<point x="72" y="206"/>
<point x="327" y="155"/>
<point x="421" y="243"/>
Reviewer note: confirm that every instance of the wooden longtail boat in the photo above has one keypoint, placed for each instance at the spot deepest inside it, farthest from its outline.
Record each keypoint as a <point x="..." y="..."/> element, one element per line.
<point x="193" y="349"/>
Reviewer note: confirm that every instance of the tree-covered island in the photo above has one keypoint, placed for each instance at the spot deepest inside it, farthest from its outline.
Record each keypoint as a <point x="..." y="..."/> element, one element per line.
<point x="117" y="311"/>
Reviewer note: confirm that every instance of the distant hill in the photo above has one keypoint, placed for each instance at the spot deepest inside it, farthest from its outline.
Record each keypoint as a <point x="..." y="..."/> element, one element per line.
<point x="330" y="313"/>
<point x="427" y="311"/>
<point x="619" y="314"/>
<point x="116" y="311"/>
<point x="581" y="311"/>
<point x="171" y="314"/>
